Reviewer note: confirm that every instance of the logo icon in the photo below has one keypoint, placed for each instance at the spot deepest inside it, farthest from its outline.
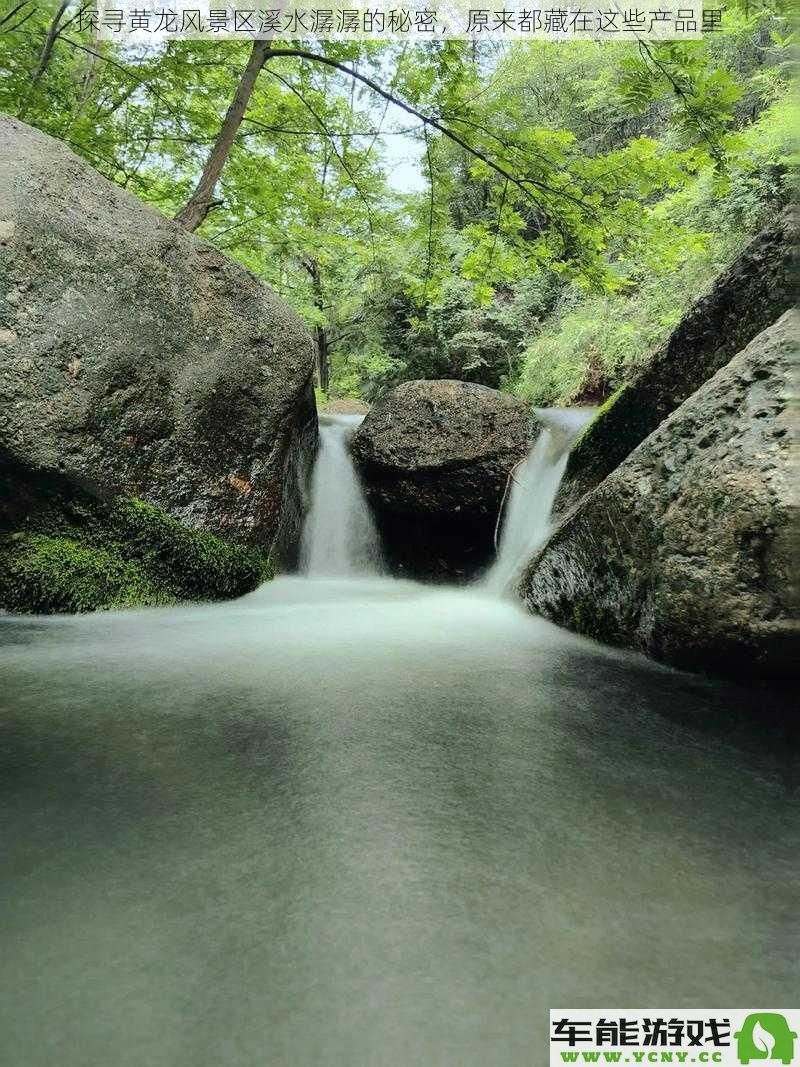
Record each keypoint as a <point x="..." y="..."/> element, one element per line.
<point x="765" y="1036"/>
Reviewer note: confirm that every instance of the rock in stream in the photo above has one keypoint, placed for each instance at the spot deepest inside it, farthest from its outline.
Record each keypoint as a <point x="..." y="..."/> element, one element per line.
<point x="435" y="458"/>
<point x="138" y="362"/>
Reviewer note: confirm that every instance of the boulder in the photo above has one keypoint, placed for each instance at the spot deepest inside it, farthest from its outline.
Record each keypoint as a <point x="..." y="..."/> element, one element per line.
<point x="137" y="360"/>
<point x="688" y="551"/>
<point x="434" y="458"/>
<point x="62" y="549"/>
<point x="754" y="291"/>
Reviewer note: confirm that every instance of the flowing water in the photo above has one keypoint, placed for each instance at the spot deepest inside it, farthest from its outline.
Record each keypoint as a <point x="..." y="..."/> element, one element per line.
<point x="367" y="823"/>
<point x="339" y="538"/>
<point x="533" y="487"/>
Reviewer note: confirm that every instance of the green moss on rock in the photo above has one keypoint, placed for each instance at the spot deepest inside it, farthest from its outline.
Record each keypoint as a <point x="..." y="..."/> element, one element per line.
<point x="601" y="412"/>
<point x="204" y="566"/>
<point x="135" y="555"/>
<point x="619" y="426"/>
<point x="58" y="574"/>
<point x="588" y="617"/>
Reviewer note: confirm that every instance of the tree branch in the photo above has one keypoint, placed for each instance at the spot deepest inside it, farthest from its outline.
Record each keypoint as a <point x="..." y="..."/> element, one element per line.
<point x="44" y="59"/>
<point x="496" y="232"/>
<point x="15" y="10"/>
<point x="715" y="149"/>
<point x="521" y="183"/>
<point x="199" y="204"/>
<point x="429" y="263"/>
<point x="339" y="155"/>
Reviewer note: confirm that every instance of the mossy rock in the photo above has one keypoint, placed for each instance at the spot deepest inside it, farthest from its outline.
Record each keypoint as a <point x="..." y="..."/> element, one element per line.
<point x="620" y="424"/>
<point x="200" y="565"/>
<point x="194" y="395"/>
<point x="588" y="617"/>
<point x="46" y="575"/>
<point x="134" y="556"/>
<point x="687" y="551"/>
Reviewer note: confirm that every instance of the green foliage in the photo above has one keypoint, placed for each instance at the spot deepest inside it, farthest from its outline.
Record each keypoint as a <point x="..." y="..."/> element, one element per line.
<point x="703" y="97"/>
<point x="594" y="343"/>
<point x="136" y="555"/>
<point x="458" y="335"/>
<point x="615" y="179"/>
<point x="196" y="564"/>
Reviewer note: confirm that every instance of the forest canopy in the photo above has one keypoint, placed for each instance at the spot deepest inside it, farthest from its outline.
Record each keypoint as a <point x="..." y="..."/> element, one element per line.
<point x="572" y="198"/>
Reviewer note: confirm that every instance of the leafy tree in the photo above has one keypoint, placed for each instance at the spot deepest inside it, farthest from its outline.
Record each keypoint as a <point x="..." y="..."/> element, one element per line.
<point x="559" y="178"/>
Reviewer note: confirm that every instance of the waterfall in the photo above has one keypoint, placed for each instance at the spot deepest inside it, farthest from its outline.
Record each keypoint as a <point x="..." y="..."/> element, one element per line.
<point x="534" y="484"/>
<point x="339" y="536"/>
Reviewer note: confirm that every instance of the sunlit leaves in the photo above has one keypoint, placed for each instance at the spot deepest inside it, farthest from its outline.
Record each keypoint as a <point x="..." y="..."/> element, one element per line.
<point x="605" y="166"/>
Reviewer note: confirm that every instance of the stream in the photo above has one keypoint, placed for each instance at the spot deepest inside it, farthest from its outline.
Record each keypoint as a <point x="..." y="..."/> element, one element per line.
<point x="352" y="820"/>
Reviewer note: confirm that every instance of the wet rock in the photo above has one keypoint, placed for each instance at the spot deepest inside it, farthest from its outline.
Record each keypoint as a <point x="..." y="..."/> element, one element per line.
<point x="435" y="458"/>
<point x="63" y="549"/>
<point x="139" y="360"/>
<point x="754" y="291"/>
<point x="689" y="549"/>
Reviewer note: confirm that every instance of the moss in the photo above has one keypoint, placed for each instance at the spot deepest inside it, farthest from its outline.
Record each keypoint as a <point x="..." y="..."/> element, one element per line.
<point x="602" y="411"/>
<point x="202" y="566"/>
<point x="592" y="620"/>
<point x="58" y="574"/>
<point x="621" y="423"/>
<point x="586" y="438"/>
<point x="131" y="555"/>
<point x="609" y="404"/>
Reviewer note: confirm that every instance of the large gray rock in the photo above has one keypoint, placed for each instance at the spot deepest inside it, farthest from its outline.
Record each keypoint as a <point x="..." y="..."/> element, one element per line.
<point x="746" y="298"/>
<point x="137" y="359"/>
<point x="689" y="549"/>
<point x="435" y="457"/>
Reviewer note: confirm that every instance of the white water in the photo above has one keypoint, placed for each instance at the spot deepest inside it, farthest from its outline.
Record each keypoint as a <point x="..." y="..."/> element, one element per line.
<point x="339" y="537"/>
<point x="526" y="518"/>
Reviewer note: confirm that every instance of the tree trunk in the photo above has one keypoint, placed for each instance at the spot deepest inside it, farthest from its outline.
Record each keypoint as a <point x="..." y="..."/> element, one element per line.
<point x="320" y="332"/>
<point x="89" y="79"/>
<point x="323" y="360"/>
<point x="45" y="57"/>
<point x="202" y="199"/>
